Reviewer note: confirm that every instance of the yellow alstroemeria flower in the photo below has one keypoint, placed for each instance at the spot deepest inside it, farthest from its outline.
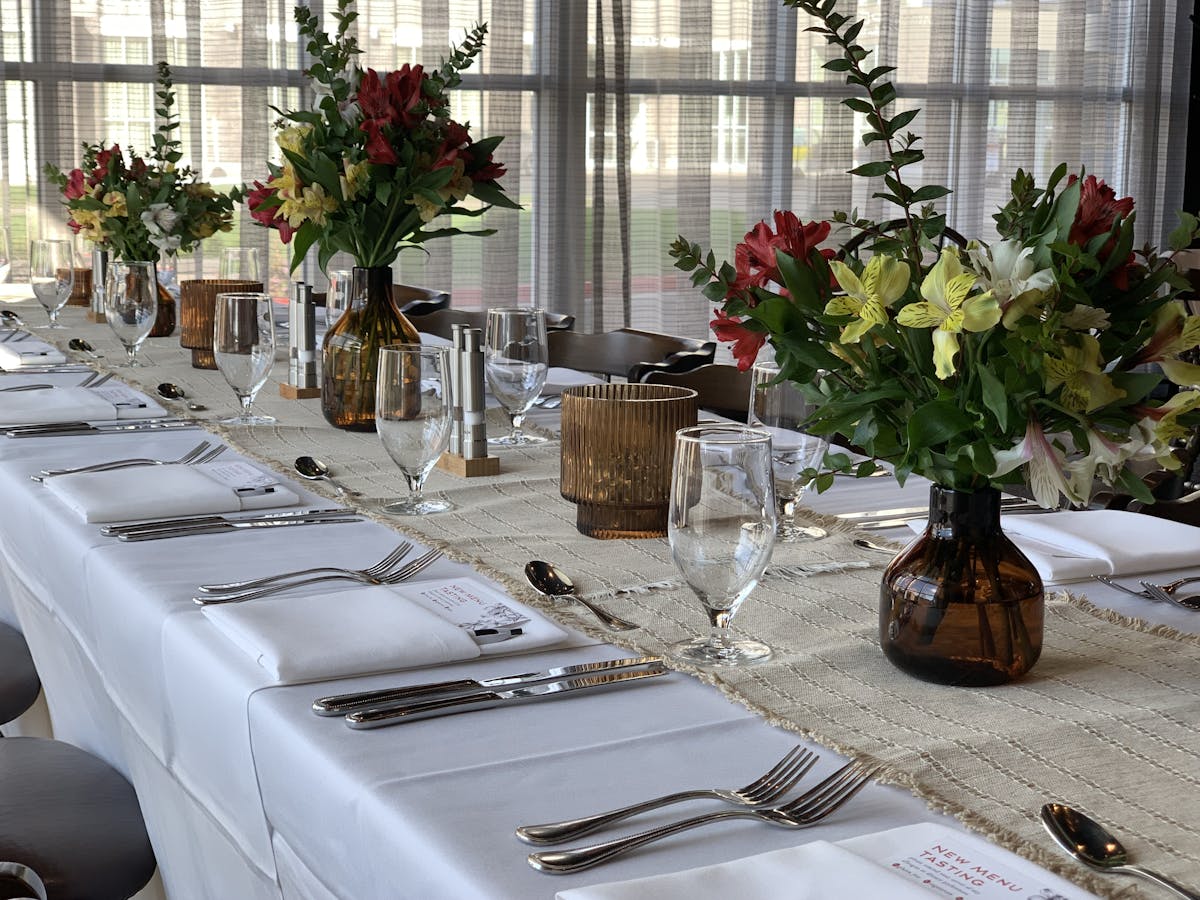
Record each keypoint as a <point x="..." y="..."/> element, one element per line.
<point x="292" y="137"/>
<point x="950" y="309"/>
<point x="312" y="205"/>
<point x="1167" y="427"/>
<point x="883" y="282"/>
<point x="117" y="205"/>
<point x="285" y="182"/>
<point x="1078" y="370"/>
<point x="355" y="179"/>
<point x="1174" y="332"/>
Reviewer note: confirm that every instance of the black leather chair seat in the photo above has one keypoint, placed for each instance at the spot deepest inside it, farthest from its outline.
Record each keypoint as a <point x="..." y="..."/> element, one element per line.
<point x="19" y="684"/>
<point x="72" y="819"/>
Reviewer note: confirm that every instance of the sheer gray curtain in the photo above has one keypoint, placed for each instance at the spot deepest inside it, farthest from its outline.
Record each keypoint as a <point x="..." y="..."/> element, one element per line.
<point x="627" y="121"/>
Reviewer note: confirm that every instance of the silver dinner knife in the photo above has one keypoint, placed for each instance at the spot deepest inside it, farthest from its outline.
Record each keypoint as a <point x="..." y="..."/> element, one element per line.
<point x="340" y="704"/>
<point x="213" y="519"/>
<point x="81" y="428"/>
<point x="429" y="709"/>
<point x="217" y="527"/>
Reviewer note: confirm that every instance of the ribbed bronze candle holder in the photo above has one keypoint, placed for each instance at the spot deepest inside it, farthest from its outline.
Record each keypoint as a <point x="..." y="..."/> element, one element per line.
<point x="198" y="301"/>
<point x="81" y="289"/>
<point x="618" y="442"/>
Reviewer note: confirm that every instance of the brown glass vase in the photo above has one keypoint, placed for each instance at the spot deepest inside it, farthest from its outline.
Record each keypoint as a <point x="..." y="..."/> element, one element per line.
<point x="962" y="605"/>
<point x="350" y="353"/>
<point x="164" y="274"/>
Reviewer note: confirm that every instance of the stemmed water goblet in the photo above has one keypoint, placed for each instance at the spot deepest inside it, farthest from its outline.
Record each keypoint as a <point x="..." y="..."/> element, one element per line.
<point x="52" y="271"/>
<point x="721" y="528"/>
<point x="412" y="416"/>
<point x="244" y="347"/>
<point x="131" y="305"/>
<point x="780" y="408"/>
<point x="238" y="264"/>
<point x="516" y="361"/>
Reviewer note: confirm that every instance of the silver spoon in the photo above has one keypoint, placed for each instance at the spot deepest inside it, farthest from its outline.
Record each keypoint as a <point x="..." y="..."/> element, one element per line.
<point x="315" y="470"/>
<point x="1092" y="844"/>
<point x="175" y="392"/>
<point x="864" y="544"/>
<point x="551" y="582"/>
<point x="82" y="346"/>
<point x="11" y="318"/>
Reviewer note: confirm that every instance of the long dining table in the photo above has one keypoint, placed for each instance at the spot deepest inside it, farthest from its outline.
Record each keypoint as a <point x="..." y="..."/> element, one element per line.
<point x="247" y="794"/>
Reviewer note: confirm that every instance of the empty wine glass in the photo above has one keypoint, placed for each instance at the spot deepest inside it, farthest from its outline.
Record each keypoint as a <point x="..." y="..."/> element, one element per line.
<point x="52" y="271"/>
<point x="516" y="362"/>
<point x="412" y="416"/>
<point x="239" y="264"/>
<point x="780" y="408"/>
<point x="244" y="346"/>
<point x="131" y="305"/>
<point x="337" y="301"/>
<point x="721" y="528"/>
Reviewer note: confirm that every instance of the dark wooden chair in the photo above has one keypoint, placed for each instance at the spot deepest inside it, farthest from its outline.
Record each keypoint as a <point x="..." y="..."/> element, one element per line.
<point x="722" y="389"/>
<point x="628" y="353"/>
<point x="419" y="301"/>
<point x="70" y="825"/>
<point x="438" y="322"/>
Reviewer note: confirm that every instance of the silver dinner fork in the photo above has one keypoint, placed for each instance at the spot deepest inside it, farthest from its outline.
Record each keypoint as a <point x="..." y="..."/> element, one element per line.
<point x="25" y="387"/>
<point x="373" y="571"/>
<point x="202" y="453"/>
<point x="776" y="782"/>
<point x="1157" y="593"/>
<point x="806" y="810"/>
<point x="394" y="577"/>
<point x="1169" y="588"/>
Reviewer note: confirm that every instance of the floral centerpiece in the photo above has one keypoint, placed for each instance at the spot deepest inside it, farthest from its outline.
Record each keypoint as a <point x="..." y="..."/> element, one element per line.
<point x="142" y="206"/>
<point x="1024" y="358"/>
<point x="366" y="172"/>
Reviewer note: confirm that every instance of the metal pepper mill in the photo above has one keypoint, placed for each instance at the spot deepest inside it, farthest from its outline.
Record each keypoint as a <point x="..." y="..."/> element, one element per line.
<point x="302" y="383"/>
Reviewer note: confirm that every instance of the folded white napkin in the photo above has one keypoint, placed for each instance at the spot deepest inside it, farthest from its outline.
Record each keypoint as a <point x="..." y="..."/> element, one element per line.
<point x="29" y="352"/>
<point x="816" y="871"/>
<point x="151" y="492"/>
<point x="75" y="404"/>
<point x="1075" y="545"/>
<point x="912" y="862"/>
<point x="356" y="630"/>
<point x="558" y="378"/>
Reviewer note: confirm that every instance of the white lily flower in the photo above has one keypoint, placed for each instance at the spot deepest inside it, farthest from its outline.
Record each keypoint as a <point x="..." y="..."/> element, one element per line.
<point x="1006" y="269"/>
<point x="159" y="219"/>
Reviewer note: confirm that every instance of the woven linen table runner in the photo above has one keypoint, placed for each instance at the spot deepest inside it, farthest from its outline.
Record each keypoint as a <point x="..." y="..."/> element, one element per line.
<point x="1108" y="720"/>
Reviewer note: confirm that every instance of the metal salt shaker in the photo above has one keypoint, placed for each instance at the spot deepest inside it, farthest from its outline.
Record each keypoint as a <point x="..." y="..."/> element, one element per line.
<point x="455" y="374"/>
<point x="302" y="337"/>
<point x="473" y="402"/>
<point x="99" y="279"/>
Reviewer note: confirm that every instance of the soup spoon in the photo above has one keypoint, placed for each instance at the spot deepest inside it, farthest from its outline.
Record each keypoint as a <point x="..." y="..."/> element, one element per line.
<point x="82" y="346"/>
<point x="315" y="470"/>
<point x="549" y="581"/>
<point x="11" y="318"/>
<point x="175" y="392"/>
<point x="1094" y="846"/>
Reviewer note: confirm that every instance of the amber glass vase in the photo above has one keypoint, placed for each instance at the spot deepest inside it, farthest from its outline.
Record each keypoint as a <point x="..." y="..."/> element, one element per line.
<point x="962" y="605"/>
<point x="164" y="279"/>
<point x="350" y="354"/>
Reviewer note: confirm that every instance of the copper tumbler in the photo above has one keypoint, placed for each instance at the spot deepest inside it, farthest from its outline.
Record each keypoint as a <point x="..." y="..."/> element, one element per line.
<point x="198" y="303"/>
<point x="618" y="442"/>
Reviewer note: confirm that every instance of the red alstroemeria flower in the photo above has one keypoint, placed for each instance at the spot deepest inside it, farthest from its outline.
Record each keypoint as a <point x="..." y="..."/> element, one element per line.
<point x="76" y="186"/>
<point x="374" y="101"/>
<point x="404" y="87"/>
<point x="268" y="215"/>
<point x="754" y="258"/>
<point x="74" y="226"/>
<point x="1099" y="209"/>
<point x="456" y="143"/>
<point x="379" y="149"/>
<point x="492" y="171"/>
<point x="746" y="343"/>
<point x="798" y="240"/>
<point x="102" y="161"/>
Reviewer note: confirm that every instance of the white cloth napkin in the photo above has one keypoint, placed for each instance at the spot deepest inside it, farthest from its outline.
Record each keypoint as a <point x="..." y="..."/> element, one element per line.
<point x="816" y="871"/>
<point x="152" y="492"/>
<point x="558" y="378"/>
<point x="29" y="352"/>
<point x="75" y="404"/>
<point x="1075" y="545"/>
<point x="912" y="862"/>
<point x="356" y="630"/>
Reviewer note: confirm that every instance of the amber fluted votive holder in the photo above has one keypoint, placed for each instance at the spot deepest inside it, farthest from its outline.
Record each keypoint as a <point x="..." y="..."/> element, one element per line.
<point x="618" y="442"/>
<point x="197" y="308"/>
<point x="81" y="288"/>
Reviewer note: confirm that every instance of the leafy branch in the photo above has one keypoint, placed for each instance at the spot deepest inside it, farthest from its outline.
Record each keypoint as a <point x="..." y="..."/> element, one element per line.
<point x="901" y="149"/>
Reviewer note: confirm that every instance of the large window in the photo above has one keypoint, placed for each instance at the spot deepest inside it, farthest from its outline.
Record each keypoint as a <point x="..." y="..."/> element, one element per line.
<point x="626" y="121"/>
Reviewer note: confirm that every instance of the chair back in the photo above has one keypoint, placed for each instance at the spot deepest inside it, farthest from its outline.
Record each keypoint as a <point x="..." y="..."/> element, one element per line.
<point x="724" y="390"/>
<point x="628" y="352"/>
<point x="419" y="301"/>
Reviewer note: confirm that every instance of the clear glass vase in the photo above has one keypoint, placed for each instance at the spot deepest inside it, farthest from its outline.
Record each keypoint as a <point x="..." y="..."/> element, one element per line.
<point x="962" y="605"/>
<point x="350" y="353"/>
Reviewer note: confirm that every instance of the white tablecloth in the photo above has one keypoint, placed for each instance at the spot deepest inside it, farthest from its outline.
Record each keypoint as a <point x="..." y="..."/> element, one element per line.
<point x="250" y="795"/>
